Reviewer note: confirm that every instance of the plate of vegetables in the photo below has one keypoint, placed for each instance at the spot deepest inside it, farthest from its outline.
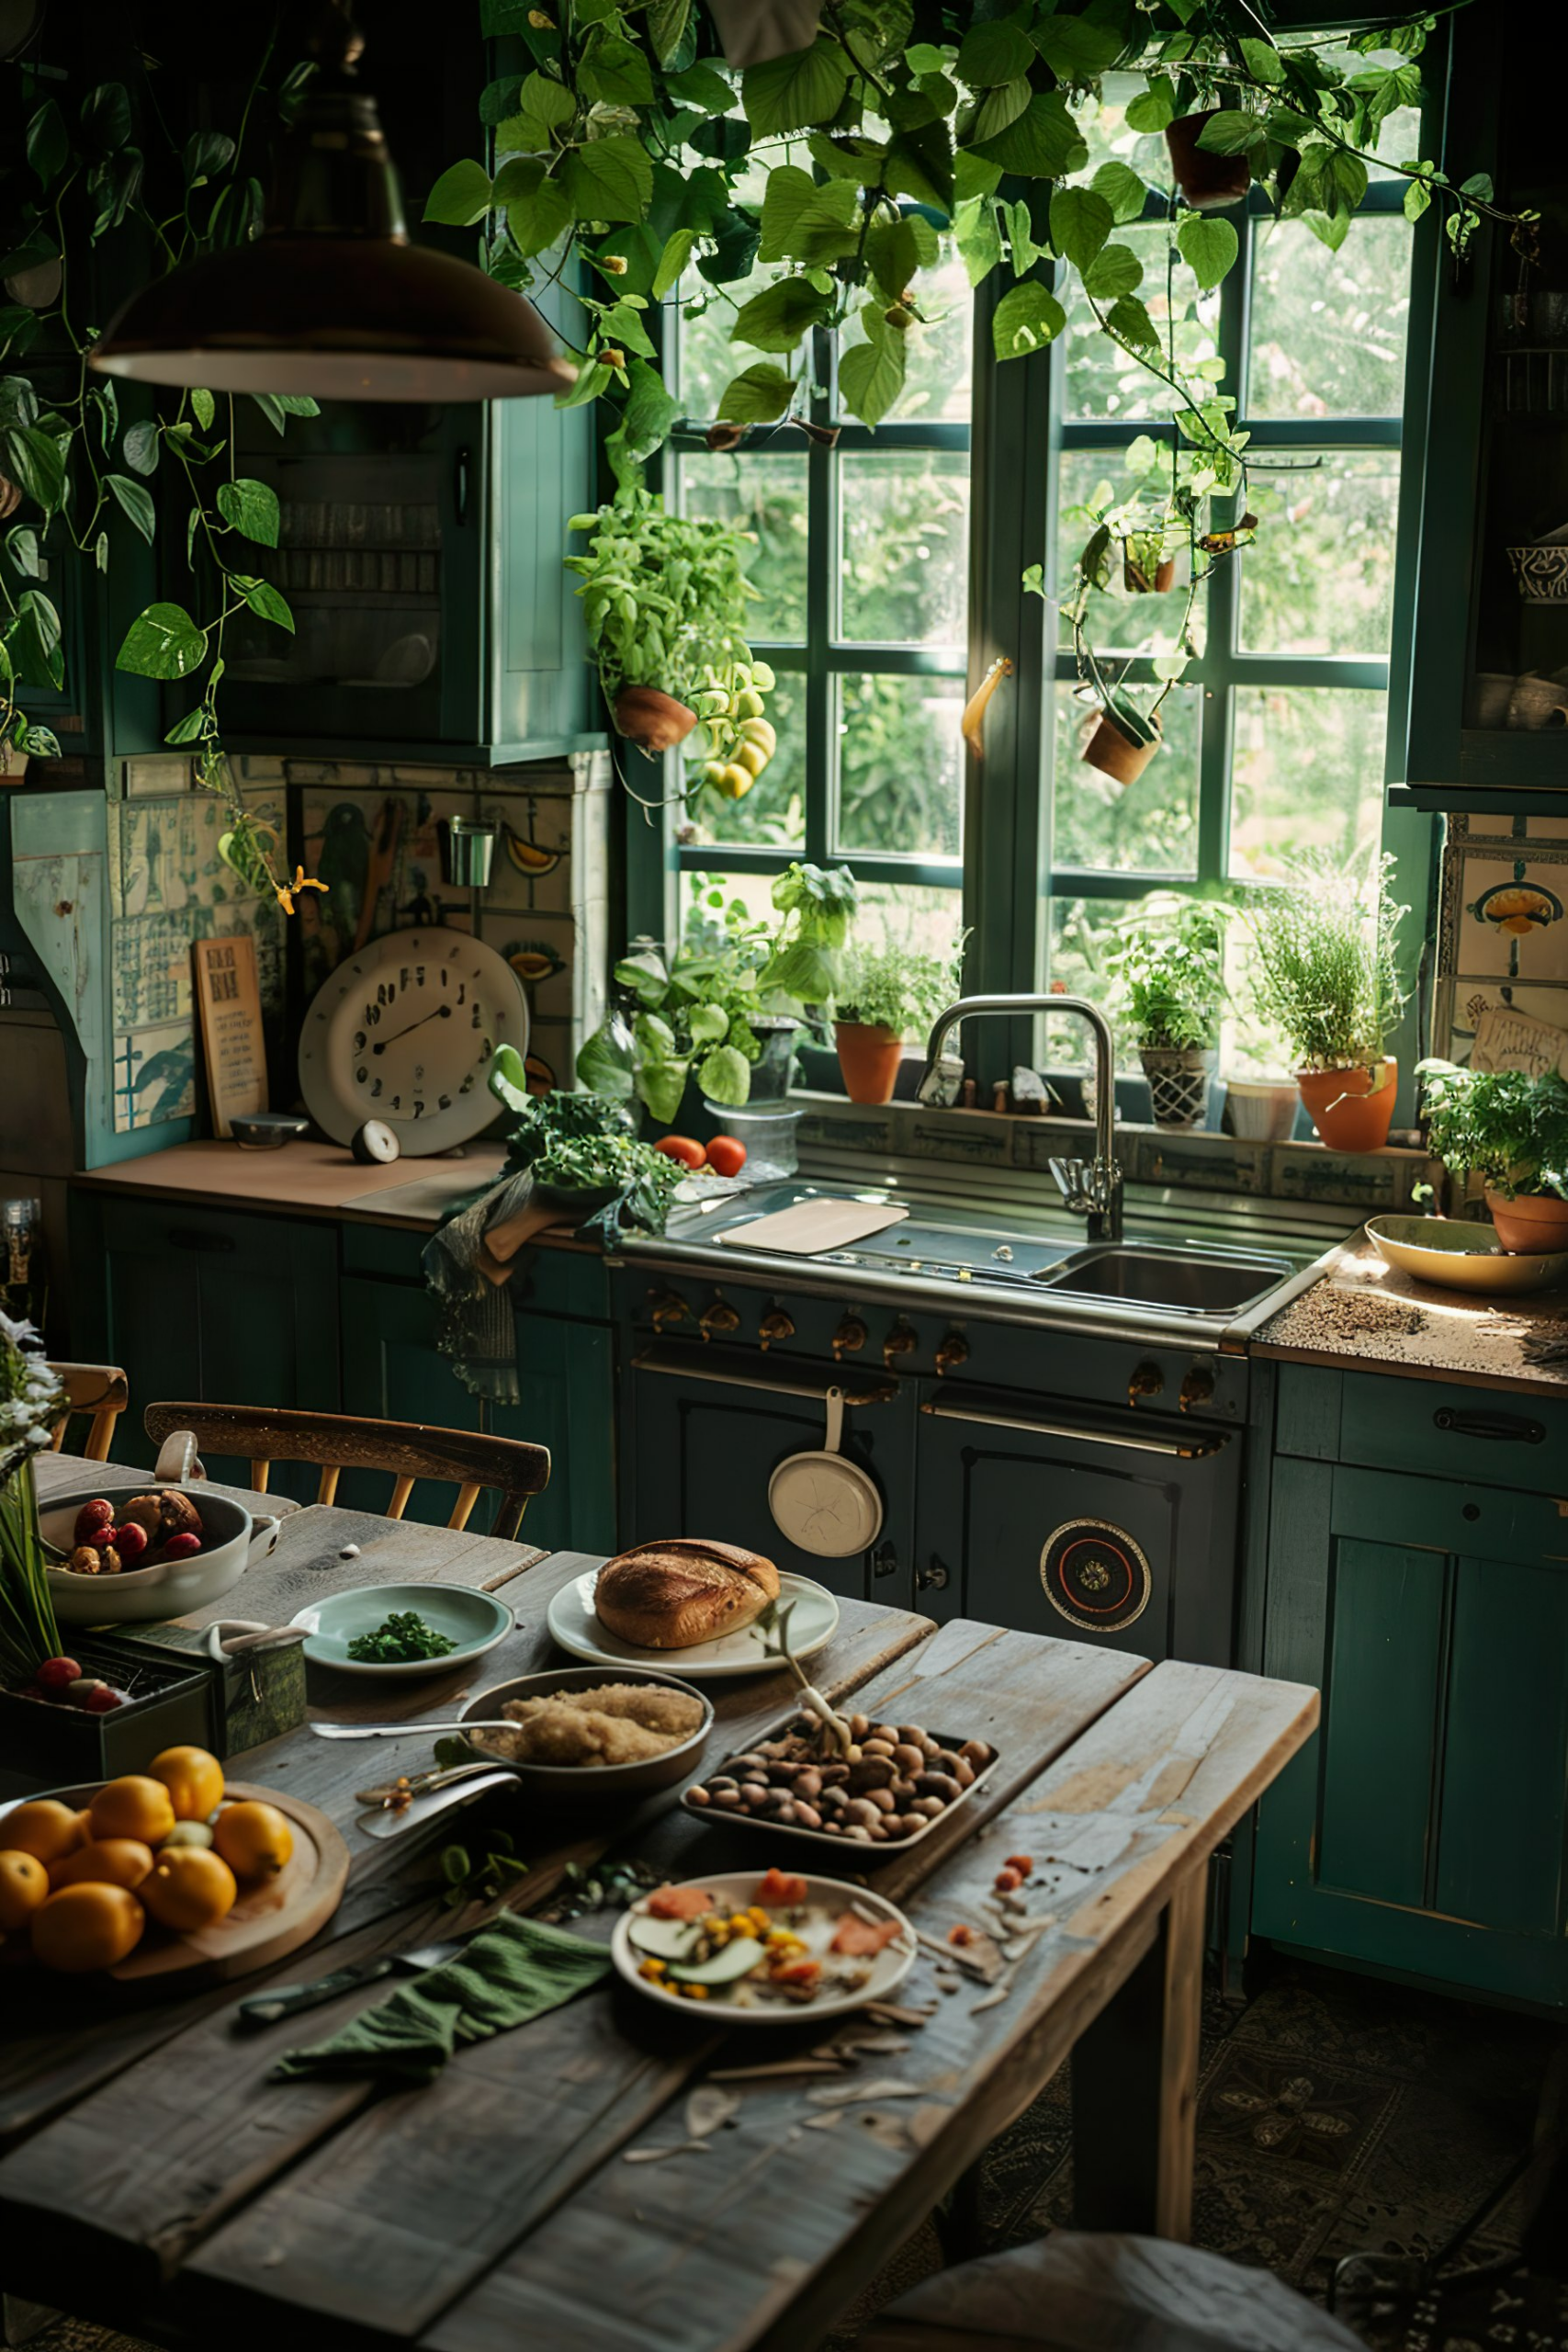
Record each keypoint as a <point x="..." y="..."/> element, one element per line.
<point x="764" y="1946"/>
<point x="403" y="1629"/>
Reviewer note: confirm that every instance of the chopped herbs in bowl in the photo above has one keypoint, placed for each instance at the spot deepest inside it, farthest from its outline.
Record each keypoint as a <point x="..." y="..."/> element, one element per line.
<point x="402" y="1629"/>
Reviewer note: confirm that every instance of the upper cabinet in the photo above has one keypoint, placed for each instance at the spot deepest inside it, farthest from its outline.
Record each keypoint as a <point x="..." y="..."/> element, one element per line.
<point x="1489" y="686"/>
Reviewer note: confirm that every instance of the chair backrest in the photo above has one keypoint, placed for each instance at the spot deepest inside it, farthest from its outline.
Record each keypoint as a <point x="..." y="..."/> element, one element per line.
<point x="266" y="1433"/>
<point x="100" y="1389"/>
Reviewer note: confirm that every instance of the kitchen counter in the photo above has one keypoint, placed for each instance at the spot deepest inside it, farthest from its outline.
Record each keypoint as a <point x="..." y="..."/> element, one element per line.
<point x="1362" y="1311"/>
<point x="310" y="1178"/>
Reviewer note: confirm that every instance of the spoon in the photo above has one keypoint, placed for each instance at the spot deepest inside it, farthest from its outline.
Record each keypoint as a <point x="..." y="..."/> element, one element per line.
<point x="406" y="1731"/>
<point x="384" y="1823"/>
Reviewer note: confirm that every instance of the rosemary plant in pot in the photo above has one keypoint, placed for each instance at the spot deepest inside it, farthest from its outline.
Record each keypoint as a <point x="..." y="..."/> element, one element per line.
<point x="1325" y="976"/>
<point x="887" y="993"/>
<point x="1172" y="979"/>
<point x="1511" y="1130"/>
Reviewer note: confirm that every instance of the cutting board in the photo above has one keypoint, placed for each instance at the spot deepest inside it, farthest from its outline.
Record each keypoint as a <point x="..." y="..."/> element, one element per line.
<point x="808" y="1226"/>
<point x="271" y="1918"/>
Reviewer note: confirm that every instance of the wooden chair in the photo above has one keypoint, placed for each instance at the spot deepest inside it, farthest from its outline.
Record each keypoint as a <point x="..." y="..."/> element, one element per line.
<point x="266" y="1434"/>
<point x="100" y="1389"/>
<point x="1075" y="2292"/>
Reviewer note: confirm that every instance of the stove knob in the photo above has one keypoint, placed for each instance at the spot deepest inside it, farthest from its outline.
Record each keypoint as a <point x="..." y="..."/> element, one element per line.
<point x="774" y="1325"/>
<point x="719" y="1316"/>
<point x="666" y="1307"/>
<point x="1196" y="1386"/>
<point x="900" y="1342"/>
<point x="1147" y="1380"/>
<point x="849" y="1338"/>
<point x="950" y="1351"/>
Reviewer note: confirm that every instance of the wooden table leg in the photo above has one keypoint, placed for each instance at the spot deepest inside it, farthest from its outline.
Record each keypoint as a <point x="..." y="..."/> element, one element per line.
<point x="1136" y="2084"/>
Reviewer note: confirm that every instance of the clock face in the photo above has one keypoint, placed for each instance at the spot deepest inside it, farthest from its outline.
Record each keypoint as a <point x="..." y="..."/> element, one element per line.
<point x="406" y="1031"/>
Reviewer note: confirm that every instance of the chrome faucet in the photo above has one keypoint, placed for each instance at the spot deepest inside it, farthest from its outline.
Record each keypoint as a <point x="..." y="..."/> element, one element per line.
<point x="1091" y="1190"/>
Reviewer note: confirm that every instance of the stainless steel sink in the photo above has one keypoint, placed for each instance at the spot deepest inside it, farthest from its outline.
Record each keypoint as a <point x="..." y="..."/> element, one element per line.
<point x="1186" y="1282"/>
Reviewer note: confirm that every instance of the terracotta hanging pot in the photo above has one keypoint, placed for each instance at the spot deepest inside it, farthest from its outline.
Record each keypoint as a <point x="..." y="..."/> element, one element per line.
<point x="1351" y="1109"/>
<point x="753" y="32"/>
<point x="1114" y="753"/>
<point x="654" y="721"/>
<point x="1533" y="1222"/>
<point x="1140" y="580"/>
<point x="869" y="1056"/>
<point x="1208" y="182"/>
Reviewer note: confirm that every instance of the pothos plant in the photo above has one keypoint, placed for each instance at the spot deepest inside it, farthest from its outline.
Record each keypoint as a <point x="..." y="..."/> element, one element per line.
<point x="83" y="472"/>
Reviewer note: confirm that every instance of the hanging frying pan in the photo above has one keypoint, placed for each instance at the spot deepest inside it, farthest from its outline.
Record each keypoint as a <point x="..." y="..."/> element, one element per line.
<point x="822" y="1503"/>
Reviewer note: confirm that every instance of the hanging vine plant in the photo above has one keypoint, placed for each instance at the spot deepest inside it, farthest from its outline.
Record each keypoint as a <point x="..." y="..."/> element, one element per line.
<point x="632" y="146"/>
<point x="83" y="474"/>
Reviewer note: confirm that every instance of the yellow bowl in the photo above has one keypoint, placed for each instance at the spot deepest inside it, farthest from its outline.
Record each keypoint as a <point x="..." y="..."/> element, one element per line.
<point x="1458" y="1256"/>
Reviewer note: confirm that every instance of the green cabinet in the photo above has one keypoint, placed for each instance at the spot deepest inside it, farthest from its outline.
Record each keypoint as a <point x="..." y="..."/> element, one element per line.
<point x="1425" y="1828"/>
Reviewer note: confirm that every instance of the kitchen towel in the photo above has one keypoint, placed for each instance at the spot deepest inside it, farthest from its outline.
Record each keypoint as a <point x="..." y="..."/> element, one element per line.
<point x="512" y="1971"/>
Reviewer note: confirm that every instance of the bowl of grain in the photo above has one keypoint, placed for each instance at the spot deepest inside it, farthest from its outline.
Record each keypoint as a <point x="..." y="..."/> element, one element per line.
<point x="593" y="1733"/>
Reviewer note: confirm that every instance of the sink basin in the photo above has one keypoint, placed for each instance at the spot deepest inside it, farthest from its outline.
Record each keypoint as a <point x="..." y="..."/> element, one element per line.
<point x="1191" y="1281"/>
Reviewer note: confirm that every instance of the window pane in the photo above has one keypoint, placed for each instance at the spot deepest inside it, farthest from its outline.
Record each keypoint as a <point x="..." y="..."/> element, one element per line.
<point x="903" y="535"/>
<point x="1121" y="622"/>
<point x="900" y="765"/>
<point x="773" y="812"/>
<point x="1307" y="774"/>
<point x="1319" y="577"/>
<point x="1101" y="380"/>
<point x="938" y="357"/>
<point x="909" y="914"/>
<point x="766" y="493"/>
<point x="1149" y="827"/>
<point x="1328" y="329"/>
<point x="1082" y="930"/>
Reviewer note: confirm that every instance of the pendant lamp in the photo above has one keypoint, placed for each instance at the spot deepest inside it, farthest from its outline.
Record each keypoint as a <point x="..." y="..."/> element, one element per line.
<point x="331" y="300"/>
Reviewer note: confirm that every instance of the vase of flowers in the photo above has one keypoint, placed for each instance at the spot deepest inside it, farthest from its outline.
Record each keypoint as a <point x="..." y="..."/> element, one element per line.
<point x="31" y="1400"/>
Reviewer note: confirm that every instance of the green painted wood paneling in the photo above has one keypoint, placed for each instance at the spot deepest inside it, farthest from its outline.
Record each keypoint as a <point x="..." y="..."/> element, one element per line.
<point x="393" y="1371"/>
<point x="1500" y="1852"/>
<point x="1310" y="1411"/>
<point x="1381" y="1708"/>
<point x="566" y="1372"/>
<point x="1490" y="1434"/>
<point x="1298" y="1571"/>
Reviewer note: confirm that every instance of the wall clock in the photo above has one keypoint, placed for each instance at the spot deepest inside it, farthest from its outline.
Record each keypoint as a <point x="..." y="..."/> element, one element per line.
<point x="406" y="1031"/>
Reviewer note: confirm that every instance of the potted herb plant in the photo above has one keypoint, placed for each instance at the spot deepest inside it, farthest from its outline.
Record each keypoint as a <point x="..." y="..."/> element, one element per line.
<point x="665" y="600"/>
<point x="1511" y="1130"/>
<point x="1172" y="978"/>
<point x="1324" y="977"/>
<point x="887" y="992"/>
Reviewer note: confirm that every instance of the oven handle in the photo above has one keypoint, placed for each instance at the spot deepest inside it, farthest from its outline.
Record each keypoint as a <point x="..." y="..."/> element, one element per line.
<point x="1190" y="1449"/>
<point x="676" y="1363"/>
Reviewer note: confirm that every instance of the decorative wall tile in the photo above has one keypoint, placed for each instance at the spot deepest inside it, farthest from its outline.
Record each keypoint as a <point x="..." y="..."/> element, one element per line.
<point x="154" y="1075"/>
<point x="1507" y="915"/>
<point x="1462" y="1007"/>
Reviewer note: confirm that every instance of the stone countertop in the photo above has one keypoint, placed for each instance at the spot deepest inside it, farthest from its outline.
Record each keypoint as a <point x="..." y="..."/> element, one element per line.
<point x="1365" y="1312"/>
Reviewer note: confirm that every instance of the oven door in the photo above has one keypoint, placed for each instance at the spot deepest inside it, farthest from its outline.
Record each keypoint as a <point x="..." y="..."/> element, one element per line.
<point x="1095" y="1526"/>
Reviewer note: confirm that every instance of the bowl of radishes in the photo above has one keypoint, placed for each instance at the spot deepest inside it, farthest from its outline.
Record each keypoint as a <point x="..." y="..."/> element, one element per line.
<point x="150" y="1552"/>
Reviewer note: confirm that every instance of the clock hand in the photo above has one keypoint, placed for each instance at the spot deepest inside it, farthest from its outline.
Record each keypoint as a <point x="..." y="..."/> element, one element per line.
<point x="442" y="1013"/>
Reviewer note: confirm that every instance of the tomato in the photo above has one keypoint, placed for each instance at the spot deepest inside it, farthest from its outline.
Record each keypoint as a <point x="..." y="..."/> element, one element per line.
<point x="681" y="1148"/>
<point x="727" y="1156"/>
<point x="780" y="1886"/>
<point x="678" y="1902"/>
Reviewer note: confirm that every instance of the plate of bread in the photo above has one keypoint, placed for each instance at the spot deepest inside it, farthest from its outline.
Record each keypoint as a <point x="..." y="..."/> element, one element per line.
<point x="693" y="1597"/>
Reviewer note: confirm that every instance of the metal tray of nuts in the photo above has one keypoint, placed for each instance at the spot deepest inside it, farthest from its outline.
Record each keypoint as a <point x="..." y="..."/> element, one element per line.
<point x="757" y="1785"/>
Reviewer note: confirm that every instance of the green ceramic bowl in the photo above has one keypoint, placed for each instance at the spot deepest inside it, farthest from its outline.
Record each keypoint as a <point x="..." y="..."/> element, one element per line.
<point x="475" y="1621"/>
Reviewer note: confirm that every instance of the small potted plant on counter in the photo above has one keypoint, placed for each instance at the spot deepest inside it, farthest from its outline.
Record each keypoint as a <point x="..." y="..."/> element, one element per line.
<point x="1172" y="980"/>
<point x="1324" y="977"/>
<point x="665" y="598"/>
<point x="886" y="993"/>
<point x="1511" y="1130"/>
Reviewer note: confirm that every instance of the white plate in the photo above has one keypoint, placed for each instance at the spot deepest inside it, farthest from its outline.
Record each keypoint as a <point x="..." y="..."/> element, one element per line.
<point x="734" y="1889"/>
<point x="815" y="1621"/>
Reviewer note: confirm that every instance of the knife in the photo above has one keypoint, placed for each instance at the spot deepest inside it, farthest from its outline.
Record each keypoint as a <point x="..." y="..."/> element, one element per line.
<point x="289" y="2000"/>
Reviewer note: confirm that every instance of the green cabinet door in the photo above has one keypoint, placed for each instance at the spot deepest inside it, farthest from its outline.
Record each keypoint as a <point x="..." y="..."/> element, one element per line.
<point x="1423" y="1829"/>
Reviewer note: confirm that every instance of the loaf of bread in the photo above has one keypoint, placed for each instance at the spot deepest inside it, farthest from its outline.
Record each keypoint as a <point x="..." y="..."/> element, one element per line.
<point x="671" y="1594"/>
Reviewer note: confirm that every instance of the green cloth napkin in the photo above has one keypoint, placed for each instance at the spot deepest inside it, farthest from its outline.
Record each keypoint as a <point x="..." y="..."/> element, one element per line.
<point x="514" y="1970"/>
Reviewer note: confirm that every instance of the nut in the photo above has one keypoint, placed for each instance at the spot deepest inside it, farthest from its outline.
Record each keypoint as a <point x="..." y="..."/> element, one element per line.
<point x="879" y="1748"/>
<point x="84" y="1561"/>
<point x="698" y="1796"/>
<point x="976" y="1752"/>
<point x="882" y="1799"/>
<point x="911" y="1735"/>
<point x="908" y="1757"/>
<point x="861" y="1811"/>
<point x="963" y="1771"/>
<point x="886" y="1732"/>
<point x="808" y="1783"/>
<point x="859" y="1727"/>
<point x="872" y="1772"/>
<point x="928" y="1808"/>
<point x="938" y="1784"/>
<point x="807" y="1815"/>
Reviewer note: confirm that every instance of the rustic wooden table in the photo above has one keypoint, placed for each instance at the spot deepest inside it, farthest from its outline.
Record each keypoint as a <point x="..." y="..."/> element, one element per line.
<point x="157" y="2180"/>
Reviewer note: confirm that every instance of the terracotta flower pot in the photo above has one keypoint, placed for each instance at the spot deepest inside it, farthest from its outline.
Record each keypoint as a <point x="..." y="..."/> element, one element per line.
<point x="869" y="1056"/>
<point x="1138" y="582"/>
<point x="1115" y="754"/>
<point x="654" y="721"/>
<point x="1208" y="182"/>
<point x="1351" y="1109"/>
<point x="1532" y="1223"/>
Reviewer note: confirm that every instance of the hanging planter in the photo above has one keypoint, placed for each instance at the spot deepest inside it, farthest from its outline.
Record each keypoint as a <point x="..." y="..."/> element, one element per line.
<point x="1144" y="570"/>
<point x="1123" y="746"/>
<point x="653" y="722"/>
<point x="1351" y="1109"/>
<point x="1208" y="182"/>
<point x="755" y="31"/>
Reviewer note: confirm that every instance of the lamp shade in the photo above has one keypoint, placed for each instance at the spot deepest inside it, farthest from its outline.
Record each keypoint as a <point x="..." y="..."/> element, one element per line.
<point x="331" y="300"/>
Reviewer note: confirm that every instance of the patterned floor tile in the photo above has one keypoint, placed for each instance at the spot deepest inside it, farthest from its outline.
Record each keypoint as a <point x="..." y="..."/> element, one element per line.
<point x="1263" y="2104"/>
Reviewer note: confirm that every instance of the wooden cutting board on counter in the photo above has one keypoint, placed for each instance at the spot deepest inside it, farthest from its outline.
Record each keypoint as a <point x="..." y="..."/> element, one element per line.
<point x="808" y="1227"/>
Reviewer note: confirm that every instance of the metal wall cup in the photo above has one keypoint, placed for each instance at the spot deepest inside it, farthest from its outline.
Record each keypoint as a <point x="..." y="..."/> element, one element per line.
<point x="466" y="849"/>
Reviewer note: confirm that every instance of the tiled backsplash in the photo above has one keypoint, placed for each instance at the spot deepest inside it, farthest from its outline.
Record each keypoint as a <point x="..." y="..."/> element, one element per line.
<point x="1502" y="994"/>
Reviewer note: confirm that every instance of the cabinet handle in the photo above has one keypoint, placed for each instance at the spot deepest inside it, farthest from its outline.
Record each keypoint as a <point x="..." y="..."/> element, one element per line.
<point x="1513" y="1428"/>
<point x="460" y="464"/>
<point x="185" y="1237"/>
